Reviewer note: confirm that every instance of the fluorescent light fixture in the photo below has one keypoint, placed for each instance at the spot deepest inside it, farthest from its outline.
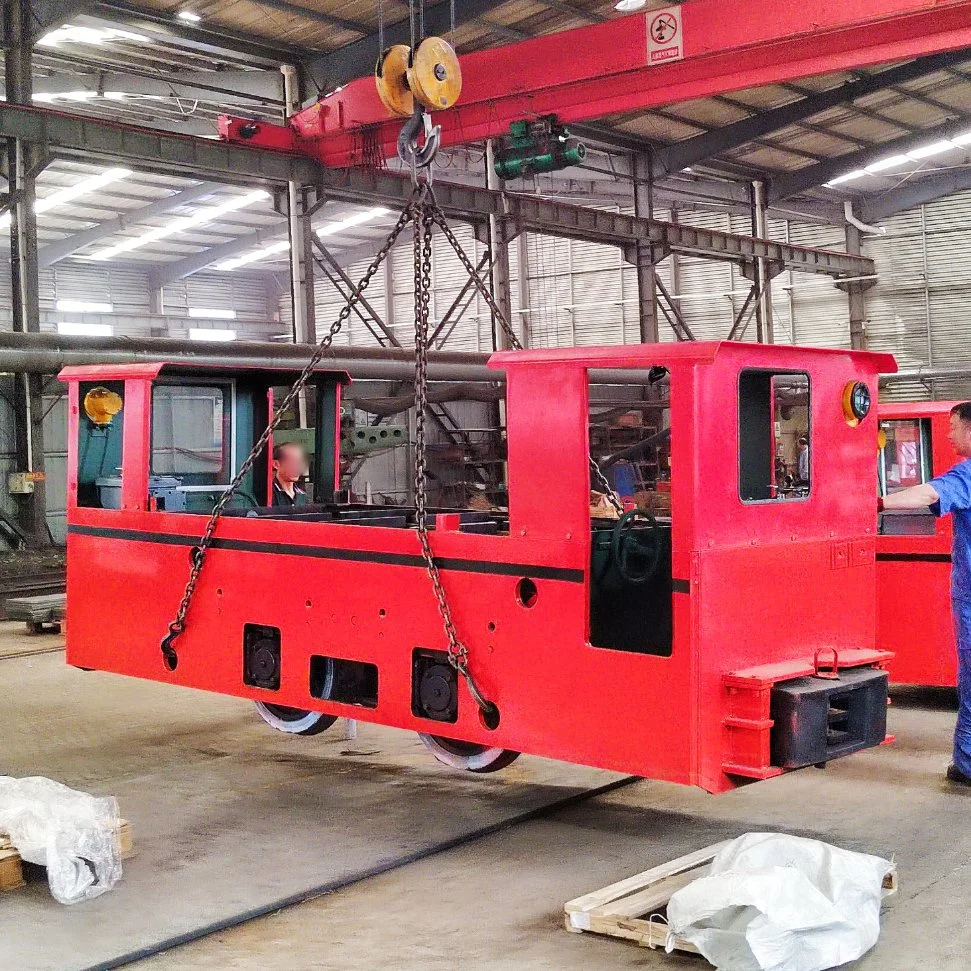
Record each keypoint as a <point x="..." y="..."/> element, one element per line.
<point x="210" y="313"/>
<point x="182" y="223"/>
<point x="82" y="188"/>
<point x="84" y="307"/>
<point x="72" y="192"/>
<point x="887" y="163"/>
<point x="628" y="6"/>
<point x="211" y="334"/>
<point x="76" y="329"/>
<point x="961" y="140"/>
<point x="254" y="255"/>
<point x="935" y="148"/>
<point x="356" y="220"/>
<point x="73" y="34"/>
<point x="849" y="177"/>
<point x="188" y="16"/>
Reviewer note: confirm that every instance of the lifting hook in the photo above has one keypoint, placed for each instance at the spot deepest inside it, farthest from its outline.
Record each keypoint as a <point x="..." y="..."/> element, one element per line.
<point x="418" y="157"/>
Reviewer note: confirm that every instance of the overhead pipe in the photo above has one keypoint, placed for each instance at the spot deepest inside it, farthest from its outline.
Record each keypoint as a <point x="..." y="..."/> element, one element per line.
<point x="927" y="374"/>
<point x="860" y="225"/>
<point x="47" y="353"/>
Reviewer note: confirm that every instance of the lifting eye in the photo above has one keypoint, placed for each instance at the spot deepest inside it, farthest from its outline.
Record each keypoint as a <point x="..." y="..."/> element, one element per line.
<point x="856" y="402"/>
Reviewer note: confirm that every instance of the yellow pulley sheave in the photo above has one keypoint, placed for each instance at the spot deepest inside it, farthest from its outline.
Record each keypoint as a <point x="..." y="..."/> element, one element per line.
<point x="430" y="75"/>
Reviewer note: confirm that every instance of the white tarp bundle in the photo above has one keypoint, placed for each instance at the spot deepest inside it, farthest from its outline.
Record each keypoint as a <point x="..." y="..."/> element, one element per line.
<point x="773" y="902"/>
<point x="74" y="835"/>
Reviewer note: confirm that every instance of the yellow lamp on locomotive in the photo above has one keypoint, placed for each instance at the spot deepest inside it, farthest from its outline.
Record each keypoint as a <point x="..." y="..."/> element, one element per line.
<point x="101" y="405"/>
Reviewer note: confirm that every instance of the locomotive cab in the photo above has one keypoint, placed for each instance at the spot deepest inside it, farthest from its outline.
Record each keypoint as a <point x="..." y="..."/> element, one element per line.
<point x="728" y="638"/>
<point x="170" y="438"/>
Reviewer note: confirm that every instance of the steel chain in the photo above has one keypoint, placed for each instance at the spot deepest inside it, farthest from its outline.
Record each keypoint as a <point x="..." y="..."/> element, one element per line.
<point x="512" y="338"/>
<point x="199" y="553"/>
<point x="458" y="653"/>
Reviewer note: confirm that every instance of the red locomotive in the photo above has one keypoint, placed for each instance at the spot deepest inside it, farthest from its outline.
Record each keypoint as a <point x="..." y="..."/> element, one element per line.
<point x="732" y="641"/>
<point x="914" y="549"/>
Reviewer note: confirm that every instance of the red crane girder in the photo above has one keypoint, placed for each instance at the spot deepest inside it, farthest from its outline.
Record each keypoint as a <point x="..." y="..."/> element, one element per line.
<point x="603" y="69"/>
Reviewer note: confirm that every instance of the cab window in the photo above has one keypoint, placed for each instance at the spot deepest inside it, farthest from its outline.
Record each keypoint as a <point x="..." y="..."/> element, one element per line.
<point x="904" y="460"/>
<point x="191" y="433"/>
<point x="774" y="436"/>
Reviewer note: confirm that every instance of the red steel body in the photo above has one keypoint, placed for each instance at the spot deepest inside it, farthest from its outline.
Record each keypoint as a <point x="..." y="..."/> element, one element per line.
<point x="602" y="69"/>
<point x="759" y="588"/>
<point x="913" y="574"/>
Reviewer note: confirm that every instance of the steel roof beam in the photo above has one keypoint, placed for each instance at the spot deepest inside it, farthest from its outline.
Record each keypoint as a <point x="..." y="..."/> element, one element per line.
<point x="697" y="149"/>
<point x="78" y="137"/>
<point x="792" y="183"/>
<point x="914" y="193"/>
<point x="73" y="137"/>
<point x="48" y="15"/>
<point x="355" y="60"/>
<point x="216" y="42"/>
<point x="264" y="86"/>
<point x="54" y="252"/>
<point x="179" y="269"/>
<point x="317" y="16"/>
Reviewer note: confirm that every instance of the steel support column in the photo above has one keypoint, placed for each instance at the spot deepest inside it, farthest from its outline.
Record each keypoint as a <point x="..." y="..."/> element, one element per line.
<point x="855" y="290"/>
<point x="644" y="252"/>
<point x="23" y="162"/>
<point x="765" y="330"/>
<point x="525" y="298"/>
<point x="499" y="248"/>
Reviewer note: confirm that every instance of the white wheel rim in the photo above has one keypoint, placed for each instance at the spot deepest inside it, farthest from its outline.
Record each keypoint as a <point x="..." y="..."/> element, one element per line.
<point x="481" y="760"/>
<point x="290" y="727"/>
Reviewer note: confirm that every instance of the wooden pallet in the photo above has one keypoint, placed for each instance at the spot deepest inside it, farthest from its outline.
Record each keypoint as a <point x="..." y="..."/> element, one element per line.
<point x="45" y="613"/>
<point x="633" y="909"/>
<point x="11" y="865"/>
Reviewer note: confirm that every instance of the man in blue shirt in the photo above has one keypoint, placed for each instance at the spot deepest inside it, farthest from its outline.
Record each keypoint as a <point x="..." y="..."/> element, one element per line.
<point x="951" y="493"/>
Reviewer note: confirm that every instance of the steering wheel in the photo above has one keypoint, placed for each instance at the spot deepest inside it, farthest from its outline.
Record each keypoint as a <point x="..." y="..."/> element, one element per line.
<point x="251" y="500"/>
<point x="629" y="546"/>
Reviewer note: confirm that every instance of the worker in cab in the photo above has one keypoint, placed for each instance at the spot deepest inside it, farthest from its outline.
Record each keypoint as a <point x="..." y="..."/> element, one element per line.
<point x="289" y="467"/>
<point x="802" y="462"/>
<point x="951" y="493"/>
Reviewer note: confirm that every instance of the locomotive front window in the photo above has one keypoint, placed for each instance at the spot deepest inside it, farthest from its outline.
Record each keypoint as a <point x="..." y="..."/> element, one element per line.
<point x="905" y="459"/>
<point x="774" y="436"/>
<point x="192" y="433"/>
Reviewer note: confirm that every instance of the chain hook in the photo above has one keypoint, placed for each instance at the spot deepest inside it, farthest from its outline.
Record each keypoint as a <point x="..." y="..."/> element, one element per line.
<point x="415" y="156"/>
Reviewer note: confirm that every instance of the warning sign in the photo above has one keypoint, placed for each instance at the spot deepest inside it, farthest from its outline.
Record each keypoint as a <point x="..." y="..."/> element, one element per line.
<point x="664" y="39"/>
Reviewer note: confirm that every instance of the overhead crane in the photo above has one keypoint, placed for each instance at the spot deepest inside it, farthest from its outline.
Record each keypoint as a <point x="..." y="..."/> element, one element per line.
<point x="660" y="648"/>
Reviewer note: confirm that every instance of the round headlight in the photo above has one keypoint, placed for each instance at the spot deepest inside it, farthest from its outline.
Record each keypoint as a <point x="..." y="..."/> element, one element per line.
<point x="101" y="405"/>
<point x="856" y="402"/>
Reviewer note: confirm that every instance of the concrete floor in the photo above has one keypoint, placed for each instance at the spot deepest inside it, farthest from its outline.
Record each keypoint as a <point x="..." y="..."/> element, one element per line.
<point x="495" y="903"/>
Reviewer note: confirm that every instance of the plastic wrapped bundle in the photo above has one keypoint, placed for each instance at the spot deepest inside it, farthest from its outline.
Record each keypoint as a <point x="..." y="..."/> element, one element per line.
<point x="74" y="835"/>
<point x="774" y="902"/>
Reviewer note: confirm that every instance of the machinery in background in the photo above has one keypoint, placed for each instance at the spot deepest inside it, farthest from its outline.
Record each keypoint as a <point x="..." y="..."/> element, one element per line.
<point x="669" y="647"/>
<point x="914" y="548"/>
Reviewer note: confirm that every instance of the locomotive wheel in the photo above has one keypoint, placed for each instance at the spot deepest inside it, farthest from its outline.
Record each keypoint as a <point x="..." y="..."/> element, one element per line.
<point x="468" y="755"/>
<point x="300" y="721"/>
<point x="294" y="721"/>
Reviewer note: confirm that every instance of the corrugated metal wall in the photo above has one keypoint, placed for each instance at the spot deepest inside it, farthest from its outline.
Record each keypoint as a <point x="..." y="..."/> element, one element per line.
<point x="578" y="293"/>
<point x="253" y="297"/>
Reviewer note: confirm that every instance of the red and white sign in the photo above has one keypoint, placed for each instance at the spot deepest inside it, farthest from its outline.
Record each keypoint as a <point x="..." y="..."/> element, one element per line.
<point x="664" y="37"/>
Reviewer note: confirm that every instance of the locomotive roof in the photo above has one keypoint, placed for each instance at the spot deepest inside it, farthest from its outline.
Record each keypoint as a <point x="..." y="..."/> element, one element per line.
<point x="685" y="352"/>
<point x="283" y="374"/>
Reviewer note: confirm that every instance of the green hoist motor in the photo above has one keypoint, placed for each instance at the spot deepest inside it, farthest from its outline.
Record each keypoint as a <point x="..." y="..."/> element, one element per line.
<point x="541" y="146"/>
